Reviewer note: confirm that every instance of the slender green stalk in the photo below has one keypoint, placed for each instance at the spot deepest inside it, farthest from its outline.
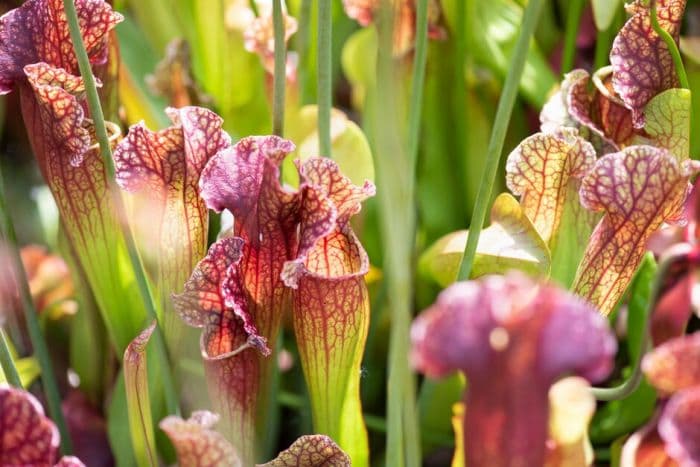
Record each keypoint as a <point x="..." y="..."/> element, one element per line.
<point x="498" y="134"/>
<point x="672" y="47"/>
<point x="396" y="173"/>
<point x="106" y="151"/>
<point x="280" y="78"/>
<point x="8" y="364"/>
<point x="48" y="377"/>
<point x="419" y="60"/>
<point x="603" y="42"/>
<point x="632" y="383"/>
<point x="302" y="47"/>
<point x="573" y="21"/>
<point x="324" y="77"/>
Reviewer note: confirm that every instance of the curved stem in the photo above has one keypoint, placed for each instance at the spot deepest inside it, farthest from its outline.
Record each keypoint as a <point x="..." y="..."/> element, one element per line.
<point x="573" y="20"/>
<point x="325" y="85"/>
<point x="8" y="365"/>
<point x="106" y="152"/>
<point x="280" y="78"/>
<point x="628" y="387"/>
<point x="498" y="134"/>
<point x="48" y="377"/>
<point x="672" y="47"/>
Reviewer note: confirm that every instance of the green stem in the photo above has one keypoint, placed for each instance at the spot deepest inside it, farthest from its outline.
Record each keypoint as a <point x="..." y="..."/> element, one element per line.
<point x="573" y="21"/>
<point x="302" y="46"/>
<point x="632" y="383"/>
<point x="602" y="45"/>
<point x="498" y="134"/>
<point x="419" y="60"/>
<point x="672" y="47"/>
<point x="280" y="78"/>
<point x="8" y="364"/>
<point x="395" y="179"/>
<point x="48" y="377"/>
<point x="106" y="151"/>
<point x="323" y="70"/>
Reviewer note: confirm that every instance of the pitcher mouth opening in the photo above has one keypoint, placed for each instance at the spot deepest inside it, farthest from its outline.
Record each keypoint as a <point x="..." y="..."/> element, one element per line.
<point x="599" y="82"/>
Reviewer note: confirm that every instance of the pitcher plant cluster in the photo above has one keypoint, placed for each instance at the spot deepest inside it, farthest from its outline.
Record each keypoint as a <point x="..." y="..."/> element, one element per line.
<point x="206" y="299"/>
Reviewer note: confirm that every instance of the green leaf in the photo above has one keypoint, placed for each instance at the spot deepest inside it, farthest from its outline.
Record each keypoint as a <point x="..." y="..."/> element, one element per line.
<point x="604" y="12"/>
<point x="638" y="303"/>
<point x="28" y="369"/>
<point x="510" y="242"/>
<point x="138" y="399"/>
<point x="668" y="121"/>
<point x="570" y="242"/>
<point x="349" y="145"/>
<point x="138" y="60"/>
<point x="620" y="417"/>
<point x="359" y="62"/>
<point x="435" y="402"/>
<point x="495" y="30"/>
<point x="156" y="20"/>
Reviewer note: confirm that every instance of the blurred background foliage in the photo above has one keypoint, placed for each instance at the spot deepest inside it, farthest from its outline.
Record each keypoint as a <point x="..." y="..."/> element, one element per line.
<point x="178" y="52"/>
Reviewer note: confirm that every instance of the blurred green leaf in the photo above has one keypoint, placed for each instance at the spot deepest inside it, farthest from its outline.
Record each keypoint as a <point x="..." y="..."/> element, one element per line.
<point x="604" y="12"/>
<point x="349" y="145"/>
<point x="495" y="29"/>
<point x="27" y="368"/>
<point x="157" y="21"/>
<point x="619" y="417"/>
<point x="638" y="303"/>
<point x="359" y="60"/>
<point x="435" y="402"/>
<point x="138" y="60"/>
<point x="510" y="242"/>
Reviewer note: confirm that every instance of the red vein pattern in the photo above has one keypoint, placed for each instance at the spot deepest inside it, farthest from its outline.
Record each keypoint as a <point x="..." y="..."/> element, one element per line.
<point x="606" y="118"/>
<point x="38" y="31"/>
<point x="162" y="169"/>
<point x="245" y="180"/>
<point x="541" y="169"/>
<point x="638" y="189"/>
<point x="331" y="302"/>
<point x="301" y="238"/>
<point x="214" y="299"/>
<point x="642" y="64"/>
<point x="70" y="162"/>
<point x="311" y="451"/>
<point x="522" y="334"/>
<point x="197" y="444"/>
<point x="37" y="57"/>
<point x="27" y="436"/>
